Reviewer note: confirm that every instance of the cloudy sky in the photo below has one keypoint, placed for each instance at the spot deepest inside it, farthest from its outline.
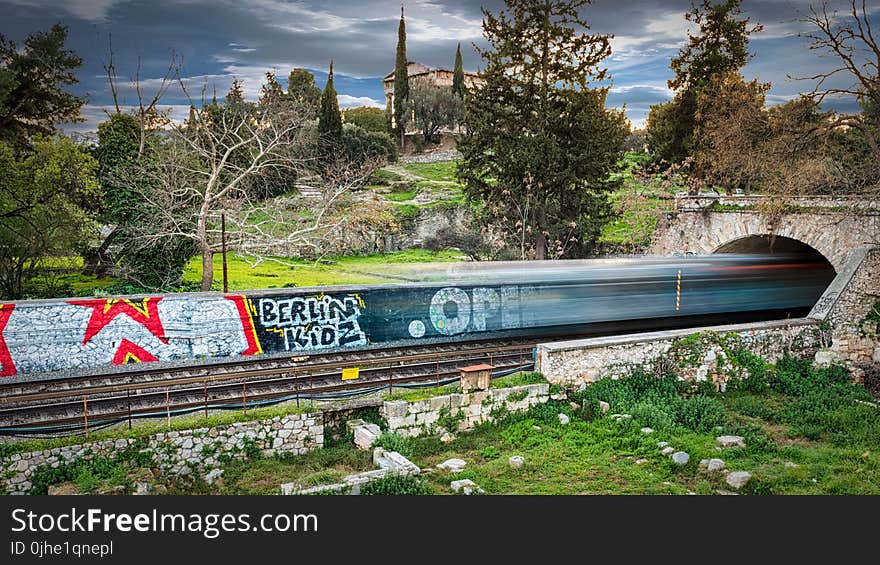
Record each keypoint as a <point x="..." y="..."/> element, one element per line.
<point x="219" y="40"/>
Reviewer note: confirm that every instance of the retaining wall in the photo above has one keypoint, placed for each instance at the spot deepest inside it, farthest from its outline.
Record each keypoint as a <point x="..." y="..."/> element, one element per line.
<point x="411" y="419"/>
<point x="186" y="452"/>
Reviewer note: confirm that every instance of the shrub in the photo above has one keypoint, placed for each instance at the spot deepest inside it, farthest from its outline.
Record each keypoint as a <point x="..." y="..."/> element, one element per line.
<point x="395" y="485"/>
<point x="651" y="415"/>
<point x="698" y="413"/>
<point x="361" y="145"/>
<point x="394" y="442"/>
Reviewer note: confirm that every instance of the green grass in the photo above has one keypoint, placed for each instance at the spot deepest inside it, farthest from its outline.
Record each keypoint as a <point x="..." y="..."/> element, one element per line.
<point x="363" y="269"/>
<point x="441" y="171"/>
<point x="401" y="196"/>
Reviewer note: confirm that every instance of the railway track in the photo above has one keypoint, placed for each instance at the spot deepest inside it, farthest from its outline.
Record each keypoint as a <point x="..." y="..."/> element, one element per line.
<point x="75" y="402"/>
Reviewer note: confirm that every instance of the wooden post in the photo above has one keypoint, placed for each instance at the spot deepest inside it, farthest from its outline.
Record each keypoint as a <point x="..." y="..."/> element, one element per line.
<point x="223" y="241"/>
<point x="86" y="414"/>
<point x="244" y="397"/>
<point x="206" y="398"/>
<point x="296" y="388"/>
<point x="128" y="395"/>
<point x="167" y="407"/>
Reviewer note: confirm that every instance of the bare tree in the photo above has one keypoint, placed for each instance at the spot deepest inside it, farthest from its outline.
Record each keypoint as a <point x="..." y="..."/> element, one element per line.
<point x="852" y="42"/>
<point x="214" y="164"/>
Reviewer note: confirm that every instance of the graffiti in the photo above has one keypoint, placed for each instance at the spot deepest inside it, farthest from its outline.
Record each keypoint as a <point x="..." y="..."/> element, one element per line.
<point x="318" y="322"/>
<point x="245" y="309"/>
<point x="129" y="352"/>
<point x="7" y="365"/>
<point x="144" y="312"/>
<point x="453" y="312"/>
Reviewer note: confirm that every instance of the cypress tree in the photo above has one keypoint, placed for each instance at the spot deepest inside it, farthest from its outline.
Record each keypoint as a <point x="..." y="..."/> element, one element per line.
<point x="401" y="81"/>
<point x="458" y="87"/>
<point x="330" y="122"/>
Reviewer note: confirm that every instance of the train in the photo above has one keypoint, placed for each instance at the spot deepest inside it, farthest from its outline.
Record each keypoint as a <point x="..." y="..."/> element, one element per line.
<point x="444" y="302"/>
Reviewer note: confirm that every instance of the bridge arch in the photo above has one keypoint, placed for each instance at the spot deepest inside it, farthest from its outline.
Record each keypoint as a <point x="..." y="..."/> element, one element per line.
<point x="763" y="243"/>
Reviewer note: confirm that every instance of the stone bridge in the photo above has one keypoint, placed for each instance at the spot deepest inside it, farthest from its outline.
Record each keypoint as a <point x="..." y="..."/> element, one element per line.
<point x="833" y="226"/>
<point x="845" y="231"/>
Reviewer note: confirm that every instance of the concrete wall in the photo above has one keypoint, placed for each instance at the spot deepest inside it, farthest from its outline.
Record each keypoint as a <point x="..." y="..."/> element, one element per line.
<point x="411" y="419"/>
<point x="178" y="453"/>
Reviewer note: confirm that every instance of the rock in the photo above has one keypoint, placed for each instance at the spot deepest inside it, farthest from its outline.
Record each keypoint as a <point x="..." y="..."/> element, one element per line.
<point x="738" y="479"/>
<point x="667" y="451"/>
<point x="877" y="354"/>
<point x="731" y="441"/>
<point x="641" y="461"/>
<point x="558" y="396"/>
<point x="662" y="444"/>
<point x="563" y="419"/>
<point x="574" y="406"/>
<point x="681" y="458"/>
<point x="604" y="406"/>
<point x="726" y="492"/>
<point x="62" y="489"/>
<point x="115" y="490"/>
<point x="213" y="475"/>
<point x="703" y="463"/>
<point x="288" y="488"/>
<point x="453" y="465"/>
<point x="790" y="465"/>
<point x="447" y="437"/>
<point x="366" y="435"/>
<point x="465" y="486"/>
<point x="141" y="489"/>
<point x="515" y="461"/>
<point x="715" y="465"/>
<point x="823" y="358"/>
<point x="647" y="430"/>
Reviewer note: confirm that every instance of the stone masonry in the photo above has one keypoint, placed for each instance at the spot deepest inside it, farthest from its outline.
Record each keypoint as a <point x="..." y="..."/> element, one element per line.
<point x="185" y="452"/>
<point x="411" y="419"/>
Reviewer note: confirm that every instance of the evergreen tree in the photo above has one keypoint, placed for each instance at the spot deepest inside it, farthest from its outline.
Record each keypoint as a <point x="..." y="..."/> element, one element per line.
<point x="235" y="94"/>
<point x="301" y="88"/>
<point x="458" y="87"/>
<point x="401" y="81"/>
<point x="330" y="121"/>
<point x="720" y="46"/>
<point x="540" y="143"/>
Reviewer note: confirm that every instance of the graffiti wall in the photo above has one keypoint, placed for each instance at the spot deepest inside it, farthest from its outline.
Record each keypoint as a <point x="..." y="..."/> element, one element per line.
<point x="75" y="334"/>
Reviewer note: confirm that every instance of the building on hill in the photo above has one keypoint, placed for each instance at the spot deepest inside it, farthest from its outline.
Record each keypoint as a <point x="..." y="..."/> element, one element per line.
<point x="418" y="72"/>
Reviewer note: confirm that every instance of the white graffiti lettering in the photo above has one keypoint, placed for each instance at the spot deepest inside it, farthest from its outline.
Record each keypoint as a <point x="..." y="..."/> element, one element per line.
<point x="313" y="322"/>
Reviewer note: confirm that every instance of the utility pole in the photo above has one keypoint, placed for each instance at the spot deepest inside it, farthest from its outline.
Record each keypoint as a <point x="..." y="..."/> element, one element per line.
<point x="223" y="242"/>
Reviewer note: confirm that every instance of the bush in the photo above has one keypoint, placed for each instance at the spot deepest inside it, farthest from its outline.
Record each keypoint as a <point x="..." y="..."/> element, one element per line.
<point x="367" y="118"/>
<point x="757" y="379"/>
<point x="699" y="413"/>
<point x="395" y="485"/>
<point x="651" y="415"/>
<point x="361" y="145"/>
<point x="394" y="442"/>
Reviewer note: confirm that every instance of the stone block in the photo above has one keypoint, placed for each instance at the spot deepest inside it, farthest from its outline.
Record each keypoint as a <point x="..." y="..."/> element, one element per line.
<point x="395" y="409"/>
<point x="366" y="435"/>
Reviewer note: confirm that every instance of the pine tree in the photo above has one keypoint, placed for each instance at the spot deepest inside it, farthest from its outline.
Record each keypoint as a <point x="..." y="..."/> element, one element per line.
<point x="540" y="143"/>
<point x="458" y="86"/>
<point x="330" y="122"/>
<point x="401" y="81"/>
<point x="235" y="94"/>
<point x="720" y="46"/>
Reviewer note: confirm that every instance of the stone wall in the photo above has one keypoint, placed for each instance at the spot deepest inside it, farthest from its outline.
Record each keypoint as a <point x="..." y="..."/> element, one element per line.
<point x="198" y="451"/>
<point x="572" y="363"/>
<point x="695" y="227"/>
<point x="411" y="419"/>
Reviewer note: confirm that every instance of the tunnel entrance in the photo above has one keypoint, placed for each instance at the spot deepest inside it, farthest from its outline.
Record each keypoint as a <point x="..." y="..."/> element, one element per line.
<point x="820" y="268"/>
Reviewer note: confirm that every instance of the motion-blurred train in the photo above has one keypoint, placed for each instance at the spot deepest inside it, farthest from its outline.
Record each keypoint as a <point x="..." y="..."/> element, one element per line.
<point x="438" y="302"/>
<point x="467" y="300"/>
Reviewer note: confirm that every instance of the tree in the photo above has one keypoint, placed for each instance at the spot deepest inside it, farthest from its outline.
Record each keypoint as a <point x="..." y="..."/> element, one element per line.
<point x="720" y="46"/>
<point x="401" y="82"/>
<point x="851" y="40"/>
<point x="32" y="81"/>
<point x="733" y="127"/>
<point x="200" y="170"/>
<point x="366" y="117"/>
<point x="45" y="201"/>
<point x="301" y="89"/>
<point x="432" y="108"/>
<point x="540" y="144"/>
<point x="330" y="121"/>
<point x="458" y="87"/>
